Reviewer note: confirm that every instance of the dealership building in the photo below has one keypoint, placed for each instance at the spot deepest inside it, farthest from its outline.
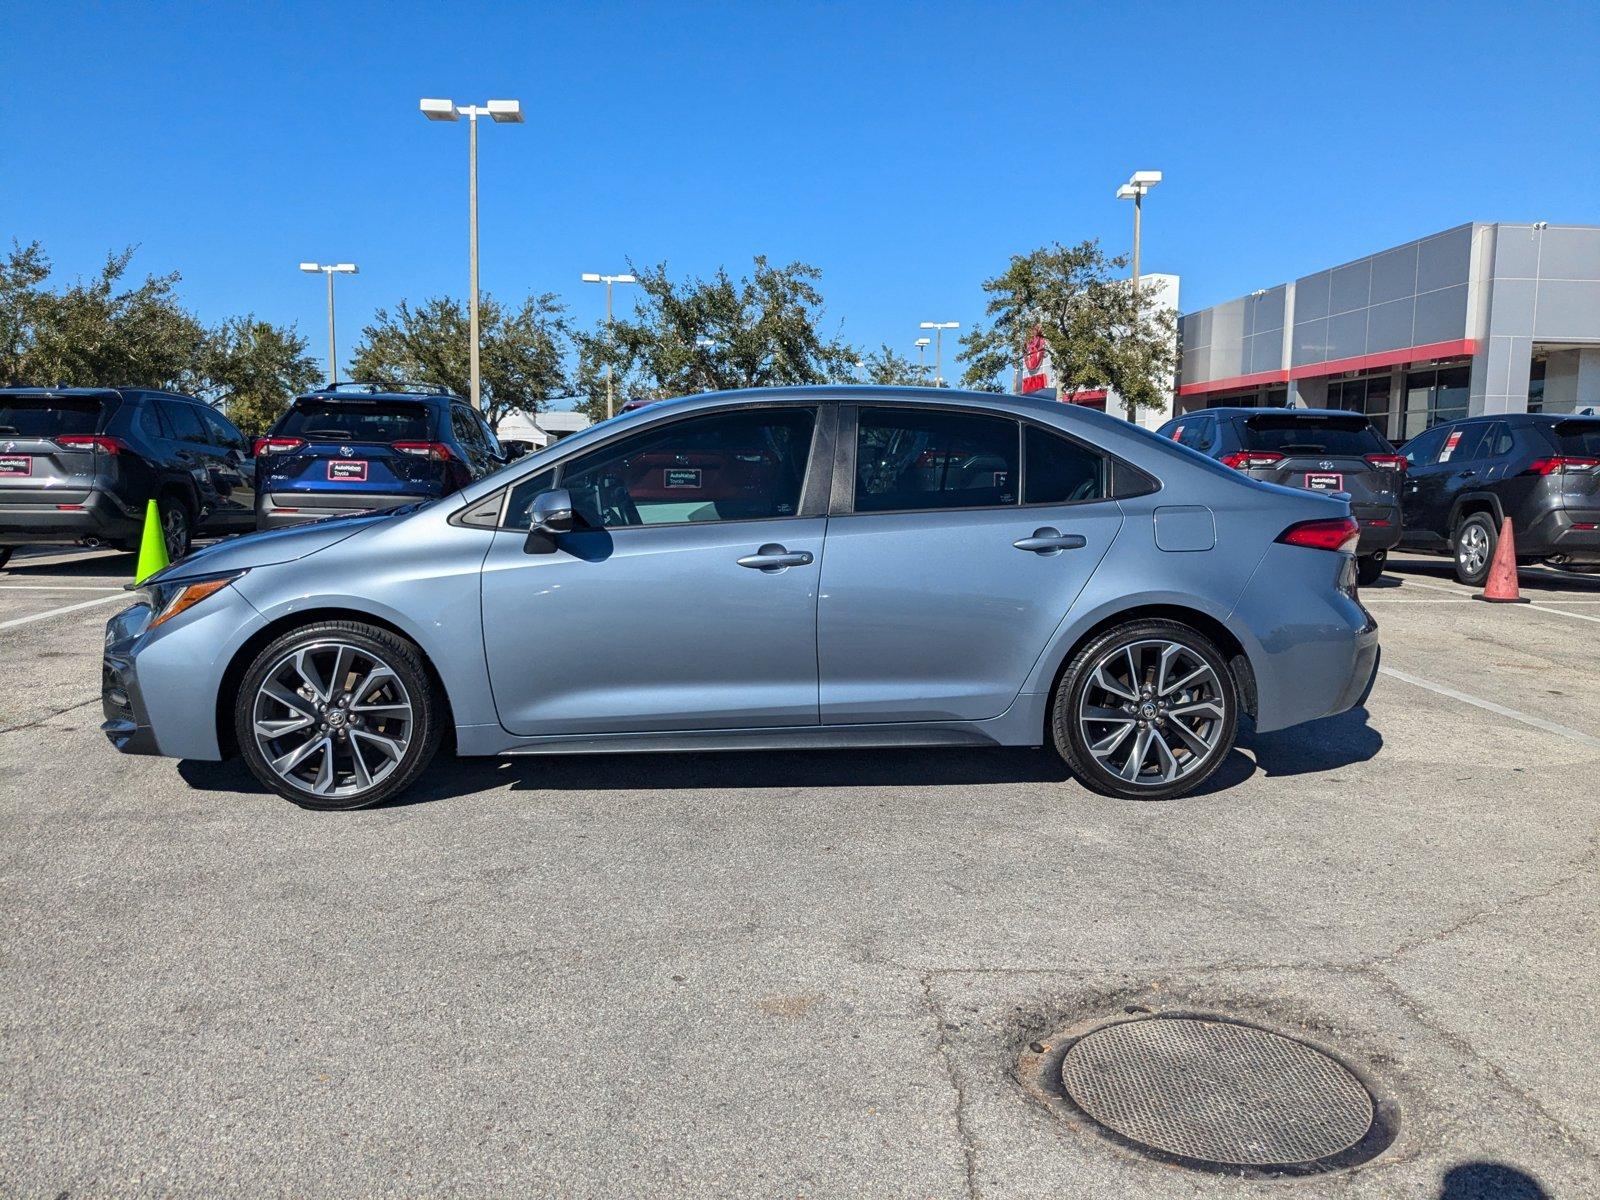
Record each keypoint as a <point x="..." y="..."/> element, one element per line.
<point x="1482" y="318"/>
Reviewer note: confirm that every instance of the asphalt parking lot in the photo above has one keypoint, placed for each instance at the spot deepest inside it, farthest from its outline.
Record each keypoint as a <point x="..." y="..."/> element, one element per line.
<point x="794" y="974"/>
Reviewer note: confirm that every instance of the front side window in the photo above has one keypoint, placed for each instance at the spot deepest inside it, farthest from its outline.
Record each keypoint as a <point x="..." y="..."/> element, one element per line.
<point x="1058" y="470"/>
<point x="733" y="466"/>
<point x="220" y="431"/>
<point x="1421" y="450"/>
<point x="910" y="459"/>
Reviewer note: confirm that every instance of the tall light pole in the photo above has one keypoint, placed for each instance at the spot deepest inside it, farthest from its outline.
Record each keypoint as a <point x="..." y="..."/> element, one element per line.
<point x="608" y="280"/>
<point x="504" y="112"/>
<point x="330" y="270"/>
<point x="1138" y="184"/>
<point x="938" y="328"/>
<point x="922" y="358"/>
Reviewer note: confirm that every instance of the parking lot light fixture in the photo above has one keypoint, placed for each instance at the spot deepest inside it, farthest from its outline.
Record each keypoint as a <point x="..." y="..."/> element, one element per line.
<point x="608" y="280"/>
<point x="938" y="328"/>
<point x="330" y="270"/>
<point x="922" y="344"/>
<point x="1138" y="184"/>
<point x="502" y="112"/>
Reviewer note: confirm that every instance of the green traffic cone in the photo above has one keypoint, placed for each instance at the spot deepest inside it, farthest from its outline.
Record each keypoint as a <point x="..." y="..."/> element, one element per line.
<point x="152" y="545"/>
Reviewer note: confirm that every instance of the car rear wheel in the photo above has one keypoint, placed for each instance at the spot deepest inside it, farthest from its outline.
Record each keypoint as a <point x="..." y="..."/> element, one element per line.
<point x="175" y="525"/>
<point x="1475" y="543"/>
<point x="337" y="715"/>
<point x="1369" y="568"/>
<point x="1145" y="711"/>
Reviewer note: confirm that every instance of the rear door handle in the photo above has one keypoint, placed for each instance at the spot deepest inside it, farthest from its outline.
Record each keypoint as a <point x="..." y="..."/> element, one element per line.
<point x="1050" y="541"/>
<point x="773" y="558"/>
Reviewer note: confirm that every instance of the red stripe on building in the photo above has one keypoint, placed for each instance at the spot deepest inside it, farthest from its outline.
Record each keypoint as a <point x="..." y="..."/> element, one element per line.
<point x="1386" y="358"/>
<point x="1087" y="396"/>
<point x="1237" y="381"/>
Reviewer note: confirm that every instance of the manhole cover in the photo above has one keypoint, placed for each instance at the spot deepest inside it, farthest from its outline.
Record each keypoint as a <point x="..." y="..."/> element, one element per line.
<point x="1217" y="1092"/>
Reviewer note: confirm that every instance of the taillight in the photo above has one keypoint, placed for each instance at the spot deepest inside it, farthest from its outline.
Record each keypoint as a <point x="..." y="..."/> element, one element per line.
<point x="1330" y="533"/>
<point x="277" y="445"/>
<point x="1388" y="462"/>
<point x="1240" y="460"/>
<point x="432" y="451"/>
<point x="1555" y="466"/>
<point x="88" y="441"/>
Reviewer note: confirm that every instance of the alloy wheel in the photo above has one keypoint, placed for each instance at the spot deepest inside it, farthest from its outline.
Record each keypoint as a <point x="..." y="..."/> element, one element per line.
<point x="1153" y="712"/>
<point x="175" y="530"/>
<point x="332" y="719"/>
<point x="1472" y="548"/>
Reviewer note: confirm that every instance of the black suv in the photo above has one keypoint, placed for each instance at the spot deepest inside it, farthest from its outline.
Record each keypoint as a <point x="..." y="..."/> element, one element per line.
<point x="356" y="447"/>
<point x="1540" y="469"/>
<point x="1326" y="450"/>
<point x="81" y="464"/>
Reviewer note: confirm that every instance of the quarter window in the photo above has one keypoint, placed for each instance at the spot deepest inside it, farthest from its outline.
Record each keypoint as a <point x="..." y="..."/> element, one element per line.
<point x="910" y="458"/>
<point x="1060" y="471"/>
<point x="185" y="422"/>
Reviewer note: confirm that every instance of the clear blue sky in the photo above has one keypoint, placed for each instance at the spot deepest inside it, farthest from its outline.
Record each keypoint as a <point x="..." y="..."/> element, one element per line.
<point x="905" y="149"/>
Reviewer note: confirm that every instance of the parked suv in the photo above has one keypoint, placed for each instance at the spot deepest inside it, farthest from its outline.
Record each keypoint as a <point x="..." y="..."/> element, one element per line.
<point x="81" y="465"/>
<point x="357" y="447"/>
<point x="1540" y="469"/>
<point x="1325" y="450"/>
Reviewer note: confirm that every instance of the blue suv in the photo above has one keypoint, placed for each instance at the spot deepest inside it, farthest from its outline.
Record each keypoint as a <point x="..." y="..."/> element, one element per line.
<point x="357" y="447"/>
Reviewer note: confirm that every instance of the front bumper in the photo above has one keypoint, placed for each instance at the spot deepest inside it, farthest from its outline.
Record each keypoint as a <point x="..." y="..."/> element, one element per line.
<point x="127" y="726"/>
<point x="277" y="510"/>
<point x="37" y="521"/>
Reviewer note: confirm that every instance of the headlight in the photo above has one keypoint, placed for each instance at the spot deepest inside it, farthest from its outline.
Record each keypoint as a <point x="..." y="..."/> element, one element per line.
<point x="168" y="599"/>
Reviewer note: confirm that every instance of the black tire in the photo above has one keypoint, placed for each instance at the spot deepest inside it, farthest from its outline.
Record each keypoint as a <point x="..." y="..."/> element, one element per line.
<point x="1067" y="732"/>
<point x="177" y="524"/>
<point x="1369" y="568"/>
<point x="388" y="649"/>
<point x="1473" y="548"/>
<point x="5" y="556"/>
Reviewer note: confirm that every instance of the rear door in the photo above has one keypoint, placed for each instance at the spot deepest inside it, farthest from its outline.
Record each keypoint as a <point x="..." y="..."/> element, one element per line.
<point x="48" y="451"/>
<point x="360" y="445"/>
<point x="232" y="472"/>
<point x="946" y="571"/>
<point x="193" y="450"/>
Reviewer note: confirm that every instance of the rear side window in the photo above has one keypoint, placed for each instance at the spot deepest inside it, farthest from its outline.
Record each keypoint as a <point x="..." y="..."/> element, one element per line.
<point x="150" y="420"/>
<point x="48" y="416"/>
<point x="1313" y="435"/>
<point x="185" y="422"/>
<point x="358" y="421"/>
<point x="468" y="430"/>
<point x="910" y="458"/>
<point x="1060" y="471"/>
<point x="1578" y="438"/>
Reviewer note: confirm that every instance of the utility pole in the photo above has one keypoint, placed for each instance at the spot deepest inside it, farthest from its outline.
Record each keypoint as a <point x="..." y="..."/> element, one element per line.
<point x="611" y="341"/>
<point x="330" y="270"/>
<point x="938" y="328"/>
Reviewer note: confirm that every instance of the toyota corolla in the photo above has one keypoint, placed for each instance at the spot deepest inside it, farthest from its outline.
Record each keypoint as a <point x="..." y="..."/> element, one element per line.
<point x="809" y="567"/>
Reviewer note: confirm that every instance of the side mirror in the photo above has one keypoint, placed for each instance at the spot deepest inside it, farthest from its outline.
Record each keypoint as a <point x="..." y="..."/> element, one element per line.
<point x="551" y="512"/>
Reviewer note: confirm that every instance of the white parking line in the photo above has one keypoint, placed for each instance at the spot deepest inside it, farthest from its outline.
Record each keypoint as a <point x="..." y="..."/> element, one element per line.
<point x="1576" y="735"/>
<point x="56" y="612"/>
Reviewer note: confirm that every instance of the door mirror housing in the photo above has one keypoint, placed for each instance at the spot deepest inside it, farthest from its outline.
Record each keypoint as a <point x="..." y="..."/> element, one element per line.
<point x="551" y="512"/>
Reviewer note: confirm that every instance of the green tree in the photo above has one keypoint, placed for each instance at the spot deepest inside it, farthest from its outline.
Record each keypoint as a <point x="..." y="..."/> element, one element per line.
<point x="695" y="335"/>
<point x="252" y="369"/>
<point x="93" y="333"/>
<point x="885" y="366"/>
<point x="1101" y="333"/>
<point x="522" y="356"/>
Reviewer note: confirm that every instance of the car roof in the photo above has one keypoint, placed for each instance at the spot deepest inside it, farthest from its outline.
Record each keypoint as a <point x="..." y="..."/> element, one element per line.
<point x="1273" y="410"/>
<point x="363" y="397"/>
<point x="63" y="391"/>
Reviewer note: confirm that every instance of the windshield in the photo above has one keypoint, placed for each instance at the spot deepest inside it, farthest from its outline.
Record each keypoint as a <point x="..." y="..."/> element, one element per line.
<point x="358" y="421"/>
<point x="1580" y="439"/>
<point x="1313" y="435"/>
<point x="49" y="416"/>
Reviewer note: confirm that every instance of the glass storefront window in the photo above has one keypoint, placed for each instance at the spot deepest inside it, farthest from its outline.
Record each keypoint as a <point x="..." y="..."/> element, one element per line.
<point x="1536" y="386"/>
<point x="1433" y="396"/>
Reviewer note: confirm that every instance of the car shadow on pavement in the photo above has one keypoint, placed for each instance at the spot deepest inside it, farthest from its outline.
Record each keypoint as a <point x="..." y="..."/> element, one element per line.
<point x="1544" y="577"/>
<point x="1490" y="1181"/>
<point x="92" y="566"/>
<point x="1324" y="745"/>
<point x="449" y="777"/>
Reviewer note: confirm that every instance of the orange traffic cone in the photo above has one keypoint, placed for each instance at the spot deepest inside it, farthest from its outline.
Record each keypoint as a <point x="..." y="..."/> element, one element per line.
<point x="1501" y="586"/>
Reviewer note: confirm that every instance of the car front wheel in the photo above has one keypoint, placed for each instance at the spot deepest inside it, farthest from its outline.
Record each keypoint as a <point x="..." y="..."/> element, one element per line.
<point x="1146" y="711"/>
<point x="337" y="715"/>
<point x="1475" y="542"/>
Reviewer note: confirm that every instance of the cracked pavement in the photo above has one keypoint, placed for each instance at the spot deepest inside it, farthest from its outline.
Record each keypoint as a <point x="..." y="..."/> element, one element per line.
<point x="794" y="974"/>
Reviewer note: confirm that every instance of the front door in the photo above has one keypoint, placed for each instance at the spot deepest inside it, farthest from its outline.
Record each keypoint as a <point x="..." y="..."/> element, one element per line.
<point x="948" y="573"/>
<point x="687" y="597"/>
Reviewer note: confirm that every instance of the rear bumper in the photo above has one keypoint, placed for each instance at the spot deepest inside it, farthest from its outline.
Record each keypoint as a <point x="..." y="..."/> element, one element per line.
<point x="274" y="510"/>
<point x="1553" y="535"/>
<point x="99" y="515"/>
<point x="1380" y="527"/>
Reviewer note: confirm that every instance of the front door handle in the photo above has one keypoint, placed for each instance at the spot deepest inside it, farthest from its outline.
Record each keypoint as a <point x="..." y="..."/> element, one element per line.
<point x="1050" y="541"/>
<point x="773" y="558"/>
